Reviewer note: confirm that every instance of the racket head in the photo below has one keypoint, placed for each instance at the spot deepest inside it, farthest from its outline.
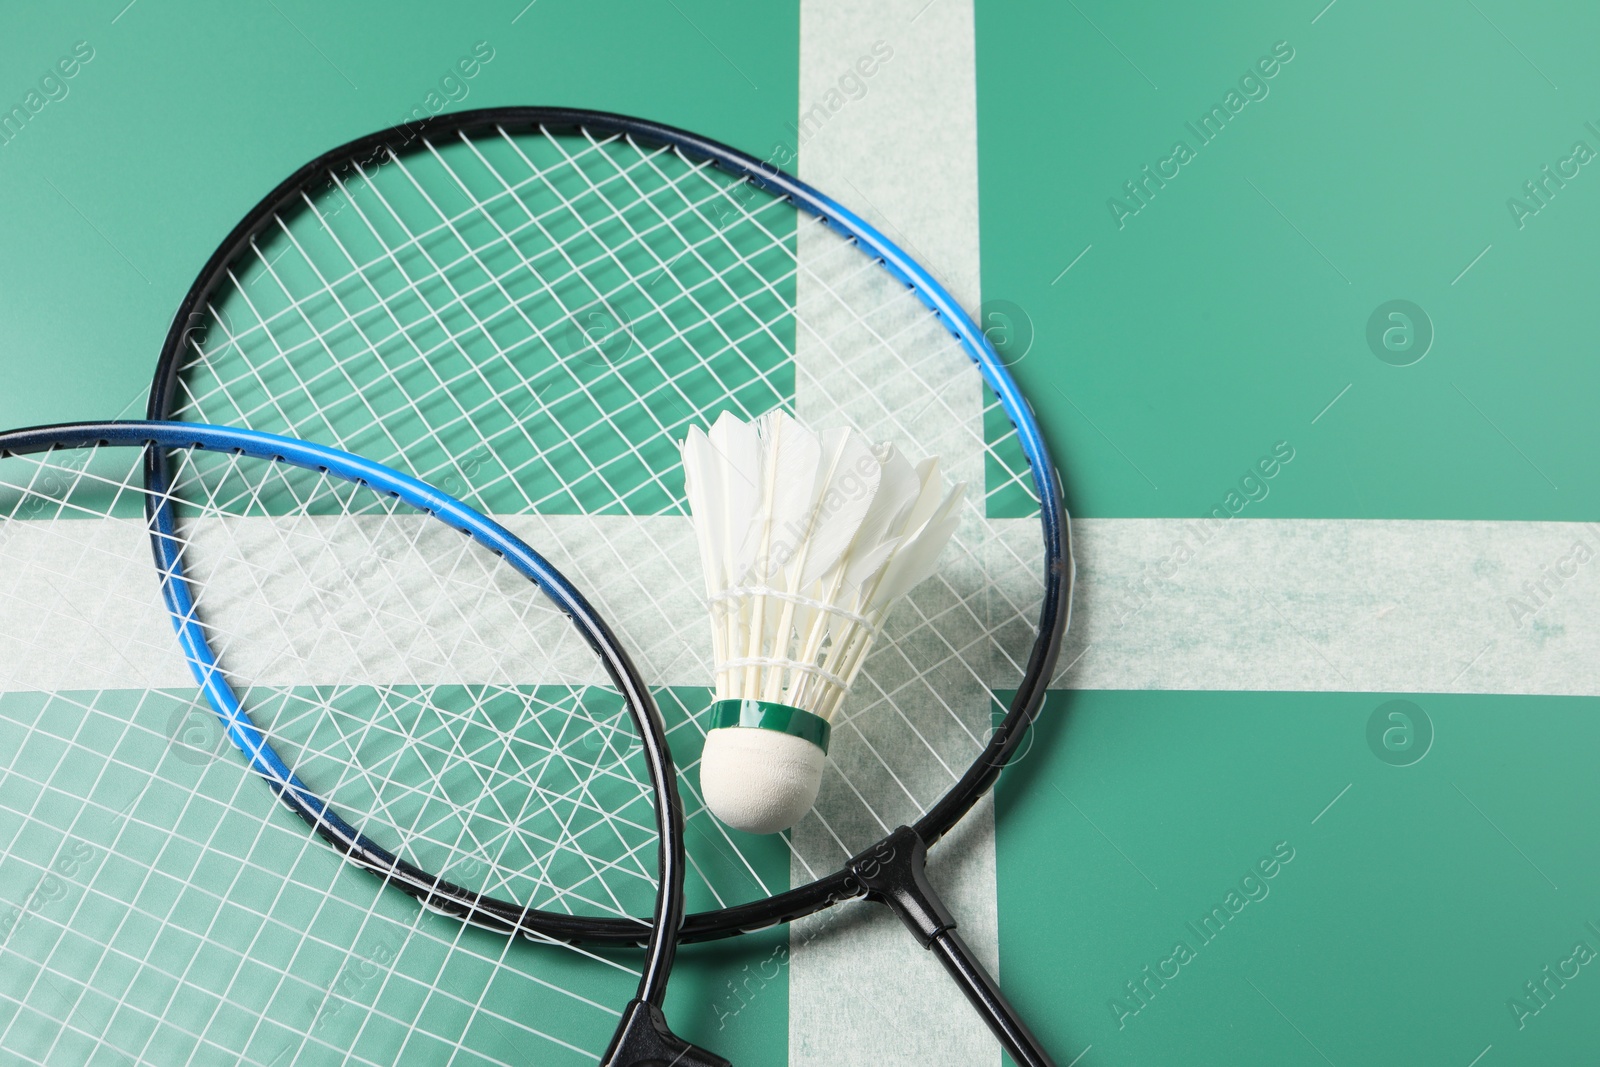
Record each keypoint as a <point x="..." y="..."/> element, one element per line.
<point x="409" y="677"/>
<point x="531" y="305"/>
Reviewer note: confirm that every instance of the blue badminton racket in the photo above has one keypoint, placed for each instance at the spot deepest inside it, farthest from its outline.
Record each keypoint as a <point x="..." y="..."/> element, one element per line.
<point x="409" y="678"/>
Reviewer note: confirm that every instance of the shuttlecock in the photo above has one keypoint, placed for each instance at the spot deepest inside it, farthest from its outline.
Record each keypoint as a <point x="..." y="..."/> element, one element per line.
<point x="806" y="541"/>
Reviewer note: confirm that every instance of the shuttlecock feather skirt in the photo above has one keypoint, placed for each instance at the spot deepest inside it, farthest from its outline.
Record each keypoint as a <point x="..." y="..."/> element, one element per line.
<point x="806" y="541"/>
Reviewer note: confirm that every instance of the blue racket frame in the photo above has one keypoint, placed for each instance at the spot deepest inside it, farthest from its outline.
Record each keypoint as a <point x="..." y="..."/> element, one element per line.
<point x="659" y="937"/>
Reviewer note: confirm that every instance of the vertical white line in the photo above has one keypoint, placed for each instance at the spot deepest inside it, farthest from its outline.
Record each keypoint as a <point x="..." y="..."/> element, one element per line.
<point x="898" y="145"/>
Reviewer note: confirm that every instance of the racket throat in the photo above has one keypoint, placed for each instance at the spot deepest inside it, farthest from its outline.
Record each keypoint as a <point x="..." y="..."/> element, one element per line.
<point x="644" y="1040"/>
<point x="894" y="873"/>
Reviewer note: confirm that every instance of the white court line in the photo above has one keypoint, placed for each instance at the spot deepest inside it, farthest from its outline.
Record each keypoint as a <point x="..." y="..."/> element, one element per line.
<point x="1283" y="605"/>
<point x="905" y="155"/>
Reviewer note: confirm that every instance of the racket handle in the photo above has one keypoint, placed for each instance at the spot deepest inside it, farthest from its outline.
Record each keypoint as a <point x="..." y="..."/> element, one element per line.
<point x="990" y="1003"/>
<point x="894" y="873"/>
<point x="644" y="1040"/>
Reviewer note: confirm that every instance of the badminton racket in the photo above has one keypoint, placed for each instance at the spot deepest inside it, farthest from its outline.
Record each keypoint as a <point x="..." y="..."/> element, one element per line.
<point x="531" y="307"/>
<point x="414" y="682"/>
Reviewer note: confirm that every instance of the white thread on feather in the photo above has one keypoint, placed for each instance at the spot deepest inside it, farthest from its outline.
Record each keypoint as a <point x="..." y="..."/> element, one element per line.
<point x="787" y="664"/>
<point x="806" y="541"/>
<point x="793" y="598"/>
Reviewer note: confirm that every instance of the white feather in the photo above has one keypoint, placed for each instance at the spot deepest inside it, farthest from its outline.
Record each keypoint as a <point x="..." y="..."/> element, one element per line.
<point x="735" y="455"/>
<point x="898" y="486"/>
<point x="789" y="471"/>
<point x="928" y="495"/>
<point x="916" y="559"/>
<point x="847" y="489"/>
<point x="703" y="489"/>
<point x="863" y="569"/>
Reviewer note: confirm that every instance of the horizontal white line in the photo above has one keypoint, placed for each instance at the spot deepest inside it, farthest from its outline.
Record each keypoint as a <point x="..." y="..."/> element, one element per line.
<point x="1336" y="605"/>
<point x="1264" y="604"/>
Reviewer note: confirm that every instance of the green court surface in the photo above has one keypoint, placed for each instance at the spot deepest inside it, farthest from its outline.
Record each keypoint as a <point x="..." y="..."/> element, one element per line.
<point x="1352" y="245"/>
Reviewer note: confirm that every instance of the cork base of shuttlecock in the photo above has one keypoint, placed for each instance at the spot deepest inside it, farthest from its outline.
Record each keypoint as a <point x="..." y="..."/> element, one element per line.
<point x="764" y="776"/>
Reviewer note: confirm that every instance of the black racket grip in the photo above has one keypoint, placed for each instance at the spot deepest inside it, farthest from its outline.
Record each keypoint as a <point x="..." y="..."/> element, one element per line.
<point x="894" y="872"/>
<point x="644" y="1040"/>
<point x="990" y="1003"/>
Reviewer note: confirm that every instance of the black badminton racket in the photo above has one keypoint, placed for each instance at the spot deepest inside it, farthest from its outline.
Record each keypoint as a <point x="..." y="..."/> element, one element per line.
<point x="531" y="307"/>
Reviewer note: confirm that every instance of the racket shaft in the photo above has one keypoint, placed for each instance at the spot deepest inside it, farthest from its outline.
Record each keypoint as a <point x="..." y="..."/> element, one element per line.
<point x="990" y="1003"/>
<point x="894" y="873"/>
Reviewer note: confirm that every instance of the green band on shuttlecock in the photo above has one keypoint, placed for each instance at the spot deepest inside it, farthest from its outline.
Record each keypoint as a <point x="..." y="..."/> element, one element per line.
<point x="765" y="715"/>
